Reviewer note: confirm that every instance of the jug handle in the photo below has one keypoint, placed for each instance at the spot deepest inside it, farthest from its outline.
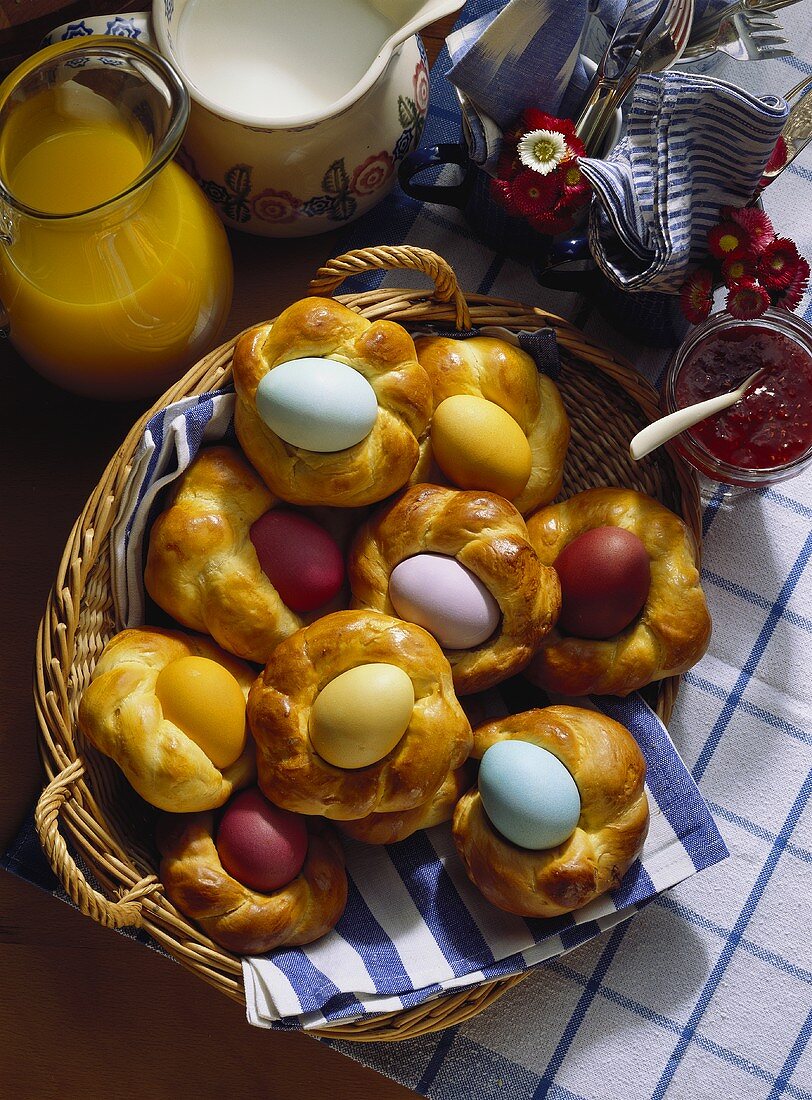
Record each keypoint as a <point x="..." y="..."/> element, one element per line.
<point x="436" y="156"/>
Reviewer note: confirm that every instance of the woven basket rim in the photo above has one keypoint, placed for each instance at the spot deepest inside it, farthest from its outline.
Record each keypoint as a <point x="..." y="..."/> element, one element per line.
<point x="68" y="800"/>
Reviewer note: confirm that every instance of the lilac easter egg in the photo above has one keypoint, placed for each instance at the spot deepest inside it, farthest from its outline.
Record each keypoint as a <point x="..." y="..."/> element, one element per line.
<point x="441" y="595"/>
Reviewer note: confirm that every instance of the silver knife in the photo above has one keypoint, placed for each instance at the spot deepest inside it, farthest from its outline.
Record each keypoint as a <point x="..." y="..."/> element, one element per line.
<point x="797" y="131"/>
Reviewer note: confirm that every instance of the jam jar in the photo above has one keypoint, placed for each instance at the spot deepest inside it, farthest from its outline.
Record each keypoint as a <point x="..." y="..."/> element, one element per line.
<point x="766" y="436"/>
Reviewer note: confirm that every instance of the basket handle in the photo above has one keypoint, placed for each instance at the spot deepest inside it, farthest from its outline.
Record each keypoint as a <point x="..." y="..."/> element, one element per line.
<point x="396" y="257"/>
<point x="124" y="913"/>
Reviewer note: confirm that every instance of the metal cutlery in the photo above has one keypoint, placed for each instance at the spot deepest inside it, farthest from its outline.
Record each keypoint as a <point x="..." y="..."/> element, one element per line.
<point x="797" y="131"/>
<point x="751" y="35"/>
<point x="707" y="26"/>
<point x="631" y="52"/>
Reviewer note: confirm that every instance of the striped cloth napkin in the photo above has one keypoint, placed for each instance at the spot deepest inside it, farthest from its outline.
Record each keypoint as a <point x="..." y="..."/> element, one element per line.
<point x="414" y="927"/>
<point x="691" y="145"/>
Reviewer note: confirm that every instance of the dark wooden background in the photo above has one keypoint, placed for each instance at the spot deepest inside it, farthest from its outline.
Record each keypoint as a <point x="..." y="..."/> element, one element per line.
<point x="85" y="1012"/>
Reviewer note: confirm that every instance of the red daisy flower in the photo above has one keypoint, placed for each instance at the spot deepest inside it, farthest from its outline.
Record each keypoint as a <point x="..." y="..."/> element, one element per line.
<point x="574" y="180"/>
<point x="696" y="296"/>
<point x="790" y="297"/>
<point x="747" y="300"/>
<point x="777" y="263"/>
<point x="534" y="194"/>
<point x="727" y="239"/>
<point x="736" y="268"/>
<point x="754" y="222"/>
<point x="532" y="119"/>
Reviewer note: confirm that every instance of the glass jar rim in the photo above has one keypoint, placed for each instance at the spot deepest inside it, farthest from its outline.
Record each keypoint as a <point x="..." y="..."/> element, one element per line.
<point x="774" y="319"/>
<point x="108" y="47"/>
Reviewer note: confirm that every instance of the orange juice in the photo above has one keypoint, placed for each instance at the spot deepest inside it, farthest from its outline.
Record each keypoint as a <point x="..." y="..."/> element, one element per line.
<point x="131" y="281"/>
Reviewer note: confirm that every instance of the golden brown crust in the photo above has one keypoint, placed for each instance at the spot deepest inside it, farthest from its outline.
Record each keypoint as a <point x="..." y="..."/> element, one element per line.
<point x="294" y="776"/>
<point x="201" y="564"/>
<point x="238" y="918"/>
<point x="119" y="713"/>
<point x="609" y="770"/>
<point x="383" y="352"/>
<point x="389" y="828"/>
<point x="483" y="366"/>
<point x="673" y="629"/>
<point x="487" y="535"/>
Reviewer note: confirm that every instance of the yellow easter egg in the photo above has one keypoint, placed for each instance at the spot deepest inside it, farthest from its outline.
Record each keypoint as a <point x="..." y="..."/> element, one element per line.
<point x="478" y="445"/>
<point x="204" y="700"/>
<point x="361" y="715"/>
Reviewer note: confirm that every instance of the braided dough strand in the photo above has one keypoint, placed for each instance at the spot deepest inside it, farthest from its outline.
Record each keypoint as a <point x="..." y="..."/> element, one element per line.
<point x="487" y="535"/>
<point x="609" y="770"/>
<point x="495" y="370"/>
<point x="383" y="352"/>
<point x="294" y="776"/>
<point x="236" y="917"/>
<point x="673" y="629"/>
<point x="119" y="713"/>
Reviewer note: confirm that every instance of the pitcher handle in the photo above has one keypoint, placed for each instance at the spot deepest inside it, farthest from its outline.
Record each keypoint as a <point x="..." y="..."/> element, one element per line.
<point x="396" y="258"/>
<point x="435" y="156"/>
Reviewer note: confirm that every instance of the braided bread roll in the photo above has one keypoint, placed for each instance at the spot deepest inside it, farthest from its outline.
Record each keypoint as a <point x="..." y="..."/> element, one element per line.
<point x="383" y="352"/>
<point x="202" y="567"/>
<point x="487" y="535"/>
<point x="234" y="916"/>
<point x="609" y="771"/>
<point x="490" y="368"/>
<point x="673" y="629"/>
<point x="121" y="716"/>
<point x="292" y="774"/>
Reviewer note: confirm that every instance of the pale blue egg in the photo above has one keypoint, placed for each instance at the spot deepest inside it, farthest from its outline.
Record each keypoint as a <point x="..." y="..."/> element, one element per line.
<point x="528" y="794"/>
<point x="318" y="404"/>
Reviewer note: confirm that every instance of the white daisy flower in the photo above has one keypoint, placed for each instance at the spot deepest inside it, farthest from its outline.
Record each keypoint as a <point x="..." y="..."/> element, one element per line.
<point x="542" y="150"/>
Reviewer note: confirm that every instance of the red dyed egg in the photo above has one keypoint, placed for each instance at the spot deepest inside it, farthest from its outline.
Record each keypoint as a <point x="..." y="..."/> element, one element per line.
<point x="301" y="560"/>
<point x="605" y="578"/>
<point x="260" y="845"/>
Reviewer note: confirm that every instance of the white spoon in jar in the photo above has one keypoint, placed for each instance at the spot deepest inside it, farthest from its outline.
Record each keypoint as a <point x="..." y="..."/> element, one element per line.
<point x="654" y="435"/>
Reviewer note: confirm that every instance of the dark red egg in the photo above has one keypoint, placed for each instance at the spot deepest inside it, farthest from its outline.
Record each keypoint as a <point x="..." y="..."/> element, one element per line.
<point x="605" y="578"/>
<point x="301" y="560"/>
<point x="260" y="845"/>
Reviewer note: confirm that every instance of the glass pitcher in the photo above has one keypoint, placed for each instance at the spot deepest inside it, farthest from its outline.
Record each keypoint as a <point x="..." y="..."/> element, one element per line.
<point x="115" y="272"/>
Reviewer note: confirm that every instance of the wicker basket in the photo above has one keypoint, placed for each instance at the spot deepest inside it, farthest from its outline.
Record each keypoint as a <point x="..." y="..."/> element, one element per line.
<point x="116" y="883"/>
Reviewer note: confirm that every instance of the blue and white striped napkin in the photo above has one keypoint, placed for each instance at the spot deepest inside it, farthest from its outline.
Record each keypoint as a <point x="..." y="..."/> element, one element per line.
<point x="414" y="927"/>
<point x="691" y="145"/>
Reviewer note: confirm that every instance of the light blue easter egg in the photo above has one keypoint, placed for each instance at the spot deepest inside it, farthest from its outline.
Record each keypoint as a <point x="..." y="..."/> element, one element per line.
<point x="528" y="794"/>
<point x="318" y="404"/>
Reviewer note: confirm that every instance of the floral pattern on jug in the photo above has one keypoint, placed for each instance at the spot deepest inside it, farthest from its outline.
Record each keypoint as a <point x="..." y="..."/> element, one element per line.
<point x="342" y="189"/>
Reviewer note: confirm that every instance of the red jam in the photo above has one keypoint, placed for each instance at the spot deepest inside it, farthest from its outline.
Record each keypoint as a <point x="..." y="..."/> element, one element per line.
<point x="772" y="425"/>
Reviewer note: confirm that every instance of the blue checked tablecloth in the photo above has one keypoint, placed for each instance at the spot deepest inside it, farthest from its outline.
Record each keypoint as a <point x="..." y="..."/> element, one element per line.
<point x="708" y="992"/>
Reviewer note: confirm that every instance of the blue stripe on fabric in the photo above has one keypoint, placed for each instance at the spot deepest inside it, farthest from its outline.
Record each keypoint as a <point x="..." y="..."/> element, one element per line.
<point x="730" y="946"/>
<point x="312" y="987"/>
<point x="789" y="502"/>
<point x="754" y="598"/>
<point x="782" y="1081"/>
<point x="665" y="901"/>
<point x="775" y="721"/>
<point x="378" y="953"/>
<point x="667" y="1024"/>
<point x="592" y="984"/>
<point x="444" y="1044"/>
<point x="758" y="831"/>
<point x="156" y="429"/>
<point x="711" y="509"/>
<point x="441" y="907"/>
<point x="755" y="655"/>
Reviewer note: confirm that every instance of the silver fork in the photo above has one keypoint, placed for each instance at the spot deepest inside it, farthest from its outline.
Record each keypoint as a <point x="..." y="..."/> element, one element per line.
<point x="751" y="35"/>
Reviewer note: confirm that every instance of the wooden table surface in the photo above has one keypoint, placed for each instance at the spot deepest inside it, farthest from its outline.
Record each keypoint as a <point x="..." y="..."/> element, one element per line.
<point x="85" y="1012"/>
